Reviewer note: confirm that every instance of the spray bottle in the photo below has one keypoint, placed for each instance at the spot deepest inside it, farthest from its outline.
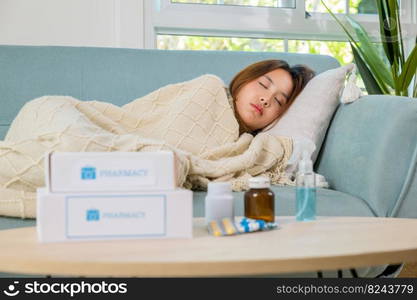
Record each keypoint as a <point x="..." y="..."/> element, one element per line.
<point x="306" y="188"/>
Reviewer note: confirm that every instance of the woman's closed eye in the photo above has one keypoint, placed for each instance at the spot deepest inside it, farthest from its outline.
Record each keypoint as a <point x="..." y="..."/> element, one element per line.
<point x="263" y="85"/>
<point x="275" y="98"/>
<point x="279" y="102"/>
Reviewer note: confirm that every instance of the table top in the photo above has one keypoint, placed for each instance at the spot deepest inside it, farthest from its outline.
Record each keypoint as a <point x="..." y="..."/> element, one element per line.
<point x="328" y="243"/>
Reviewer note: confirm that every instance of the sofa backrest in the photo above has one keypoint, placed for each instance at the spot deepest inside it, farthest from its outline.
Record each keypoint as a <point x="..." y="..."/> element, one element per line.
<point x="116" y="75"/>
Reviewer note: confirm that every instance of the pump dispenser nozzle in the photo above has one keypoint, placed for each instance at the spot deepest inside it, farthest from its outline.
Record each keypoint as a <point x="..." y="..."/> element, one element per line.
<point x="304" y="148"/>
<point x="305" y="164"/>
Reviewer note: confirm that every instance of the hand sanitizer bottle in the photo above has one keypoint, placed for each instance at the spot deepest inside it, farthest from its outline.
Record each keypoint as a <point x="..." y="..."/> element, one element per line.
<point x="305" y="190"/>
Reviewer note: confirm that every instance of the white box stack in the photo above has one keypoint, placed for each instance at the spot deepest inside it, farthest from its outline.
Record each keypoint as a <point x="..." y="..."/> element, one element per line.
<point x="112" y="195"/>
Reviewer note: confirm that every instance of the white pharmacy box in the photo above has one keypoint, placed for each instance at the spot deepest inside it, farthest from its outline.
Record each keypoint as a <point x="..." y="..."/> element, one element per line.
<point x="109" y="171"/>
<point x="64" y="217"/>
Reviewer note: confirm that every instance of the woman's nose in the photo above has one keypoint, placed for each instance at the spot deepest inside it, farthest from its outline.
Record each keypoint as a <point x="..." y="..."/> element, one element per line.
<point x="264" y="102"/>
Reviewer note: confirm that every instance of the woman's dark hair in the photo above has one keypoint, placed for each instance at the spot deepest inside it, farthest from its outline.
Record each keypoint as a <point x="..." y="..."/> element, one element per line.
<point x="300" y="75"/>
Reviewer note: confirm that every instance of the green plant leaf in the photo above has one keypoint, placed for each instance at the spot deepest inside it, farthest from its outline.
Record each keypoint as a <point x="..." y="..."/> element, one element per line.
<point x="352" y="41"/>
<point x="391" y="39"/>
<point x="371" y="84"/>
<point x="370" y="55"/>
<point x="390" y="30"/>
<point x="409" y="69"/>
<point x="397" y="82"/>
<point x="398" y="31"/>
<point x="383" y="14"/>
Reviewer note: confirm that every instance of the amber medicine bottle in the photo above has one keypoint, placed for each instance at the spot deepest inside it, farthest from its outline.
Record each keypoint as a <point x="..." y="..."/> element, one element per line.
<point x="260" y="200"/>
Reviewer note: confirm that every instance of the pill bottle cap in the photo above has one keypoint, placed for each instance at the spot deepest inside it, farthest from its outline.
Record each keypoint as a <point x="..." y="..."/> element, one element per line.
<point x="217" y="188"/>
<point x="259" y="182"/>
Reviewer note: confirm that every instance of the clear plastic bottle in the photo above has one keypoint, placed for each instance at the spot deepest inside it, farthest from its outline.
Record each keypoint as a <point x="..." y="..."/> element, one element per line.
<point x="305" y="190"/>
<point x="260" y="200"/>
<point x="219" y="201"/>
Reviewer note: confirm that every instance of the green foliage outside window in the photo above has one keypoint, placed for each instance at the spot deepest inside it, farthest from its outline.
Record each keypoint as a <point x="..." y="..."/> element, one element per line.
<point x="218" y="43"/>
<point x="316" y="6"/>
<point x="339" y="50"/>
<point x="363" y="7"/>
<point x="339" y="6"/>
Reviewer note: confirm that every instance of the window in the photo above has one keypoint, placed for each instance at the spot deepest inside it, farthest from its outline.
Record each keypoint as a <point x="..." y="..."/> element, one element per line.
<point x="340" y="6"/>
<point x="258" y="3"/>
<point x="181" y="42"/>
<point x="339" y="50"/>
<point x="263" y="25"/>
<point x="293" y="19"/>
<point x="344" y="7"/>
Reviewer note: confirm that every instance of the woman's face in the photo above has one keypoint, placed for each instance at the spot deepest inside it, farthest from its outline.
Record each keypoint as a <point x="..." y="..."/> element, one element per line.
<point x="261" y="101"/>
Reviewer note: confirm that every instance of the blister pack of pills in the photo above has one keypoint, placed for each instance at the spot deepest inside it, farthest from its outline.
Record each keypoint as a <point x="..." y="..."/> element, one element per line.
<point x="238" y="225"/>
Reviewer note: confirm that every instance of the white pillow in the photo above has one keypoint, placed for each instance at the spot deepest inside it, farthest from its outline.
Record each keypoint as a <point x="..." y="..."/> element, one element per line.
<point x="309" y="116"/>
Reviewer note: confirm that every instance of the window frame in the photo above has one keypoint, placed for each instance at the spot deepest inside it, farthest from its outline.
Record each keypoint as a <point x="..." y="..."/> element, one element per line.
<point x="164" y="17"/>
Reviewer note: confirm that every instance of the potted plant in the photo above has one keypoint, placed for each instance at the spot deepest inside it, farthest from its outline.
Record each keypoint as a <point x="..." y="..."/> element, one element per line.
<point x="394" y="74"/>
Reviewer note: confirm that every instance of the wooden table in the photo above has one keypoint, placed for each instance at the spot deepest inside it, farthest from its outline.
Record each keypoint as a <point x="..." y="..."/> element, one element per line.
<point x="327" y="243"/>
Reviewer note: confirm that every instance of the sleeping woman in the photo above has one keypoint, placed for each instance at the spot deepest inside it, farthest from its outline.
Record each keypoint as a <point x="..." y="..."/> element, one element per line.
<point x="215" y="132"/>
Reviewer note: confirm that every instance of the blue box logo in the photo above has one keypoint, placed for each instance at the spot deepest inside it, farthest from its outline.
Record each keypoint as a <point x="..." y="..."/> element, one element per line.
<point x="88" y="173"/>
<point x="93" y="215"/>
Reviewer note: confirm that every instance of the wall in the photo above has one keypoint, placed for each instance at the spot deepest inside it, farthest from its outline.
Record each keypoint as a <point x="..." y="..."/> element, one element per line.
<point x="102" y="23"/>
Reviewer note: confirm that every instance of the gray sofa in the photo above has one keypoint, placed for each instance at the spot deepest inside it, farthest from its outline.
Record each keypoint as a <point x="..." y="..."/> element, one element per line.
<point x="368" y="156"/>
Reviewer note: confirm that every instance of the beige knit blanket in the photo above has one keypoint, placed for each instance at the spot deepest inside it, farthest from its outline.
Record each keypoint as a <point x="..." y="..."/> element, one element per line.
<point x="195" y="119"/>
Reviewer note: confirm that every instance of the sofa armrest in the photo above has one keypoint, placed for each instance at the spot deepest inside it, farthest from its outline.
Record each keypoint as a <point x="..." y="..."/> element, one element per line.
<point x="370" y="152"/>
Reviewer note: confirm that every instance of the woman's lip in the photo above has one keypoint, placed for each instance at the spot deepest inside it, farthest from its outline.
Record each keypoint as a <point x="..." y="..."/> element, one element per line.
<point x="257" y="108"/>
